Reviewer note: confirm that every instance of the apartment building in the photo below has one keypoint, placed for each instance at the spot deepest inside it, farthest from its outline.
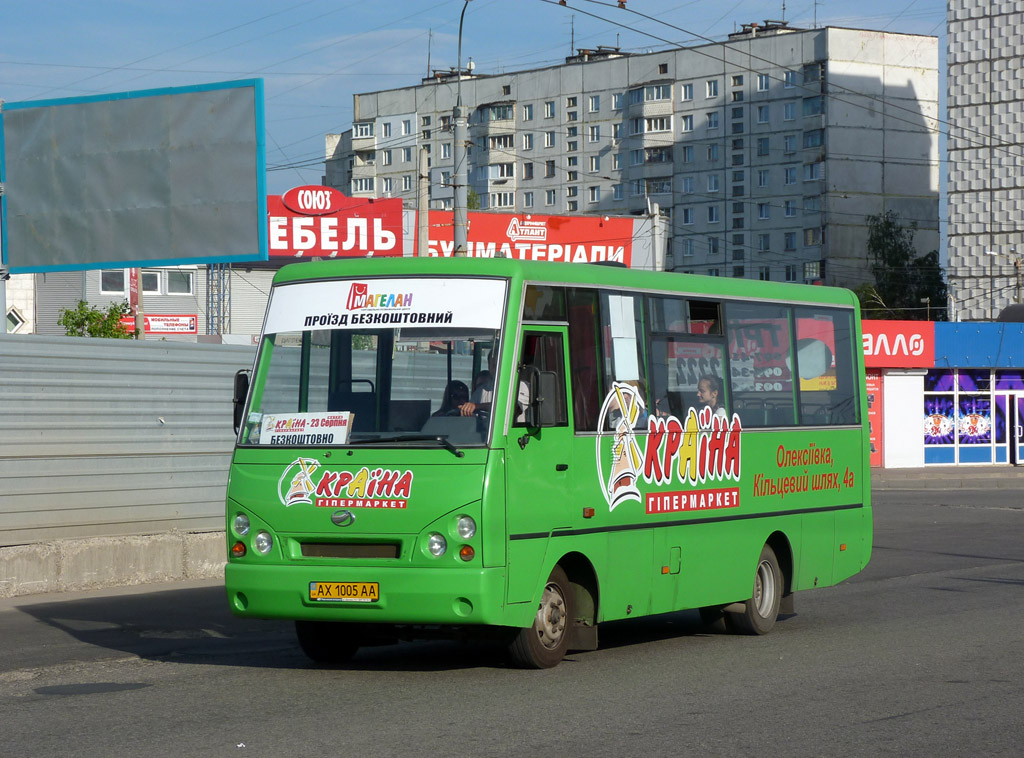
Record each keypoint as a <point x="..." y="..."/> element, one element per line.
<point x="766" y="151"/>
<point x="986" y="156"/>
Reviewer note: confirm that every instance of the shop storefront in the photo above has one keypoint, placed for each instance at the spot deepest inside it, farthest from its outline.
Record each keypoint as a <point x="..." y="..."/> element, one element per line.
<point x="945" y="393"/>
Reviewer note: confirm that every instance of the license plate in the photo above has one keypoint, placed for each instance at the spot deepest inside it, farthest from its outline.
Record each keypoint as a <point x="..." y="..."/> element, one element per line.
<point x="344" y="592"/>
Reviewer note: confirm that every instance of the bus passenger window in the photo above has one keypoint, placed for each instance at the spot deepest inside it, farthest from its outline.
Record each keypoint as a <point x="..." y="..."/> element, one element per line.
<point x="760" y="364"/>
<point x="825" y="365"/>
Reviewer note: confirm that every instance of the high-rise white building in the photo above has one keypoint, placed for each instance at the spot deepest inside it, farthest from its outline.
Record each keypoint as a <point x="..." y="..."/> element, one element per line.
<point x="985" y="76"/>
<point x="767" y="151"/>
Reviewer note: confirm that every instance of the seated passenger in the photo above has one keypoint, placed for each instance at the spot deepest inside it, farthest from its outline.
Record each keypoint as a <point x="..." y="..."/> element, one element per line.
<point x="456" y="394"/>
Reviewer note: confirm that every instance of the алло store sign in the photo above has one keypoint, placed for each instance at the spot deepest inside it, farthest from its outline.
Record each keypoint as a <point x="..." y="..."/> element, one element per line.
<point x="898" y="344"/>
<point x="320" y="222"/>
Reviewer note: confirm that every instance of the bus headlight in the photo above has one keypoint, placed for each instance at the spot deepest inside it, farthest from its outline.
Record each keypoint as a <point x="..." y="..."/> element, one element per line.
<point x="437" y="545"/>
<point x="466" y="527"/>
<point x="263" y="542"/>
<point x="241" y="524"/>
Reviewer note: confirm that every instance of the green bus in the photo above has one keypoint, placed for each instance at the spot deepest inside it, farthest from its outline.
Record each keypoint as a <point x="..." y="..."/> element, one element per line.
<point x="528" y="449"/>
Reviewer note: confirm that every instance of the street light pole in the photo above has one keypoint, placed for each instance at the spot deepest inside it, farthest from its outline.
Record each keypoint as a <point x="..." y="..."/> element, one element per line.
<point x="460" y="175"/>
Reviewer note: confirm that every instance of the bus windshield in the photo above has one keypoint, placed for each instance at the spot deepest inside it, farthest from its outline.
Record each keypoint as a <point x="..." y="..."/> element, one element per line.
<point x="375" y="373"/>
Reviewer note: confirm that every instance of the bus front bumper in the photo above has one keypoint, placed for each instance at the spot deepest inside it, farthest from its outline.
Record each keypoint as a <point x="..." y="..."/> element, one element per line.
<point x="421" y="596"/>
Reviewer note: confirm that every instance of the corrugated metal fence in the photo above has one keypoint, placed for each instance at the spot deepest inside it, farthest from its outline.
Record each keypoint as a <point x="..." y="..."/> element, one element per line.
<point x="113" y="437"/>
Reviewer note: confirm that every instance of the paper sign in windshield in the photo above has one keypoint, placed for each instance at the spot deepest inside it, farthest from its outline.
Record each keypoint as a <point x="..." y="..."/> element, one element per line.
<point x="306" y="428"/>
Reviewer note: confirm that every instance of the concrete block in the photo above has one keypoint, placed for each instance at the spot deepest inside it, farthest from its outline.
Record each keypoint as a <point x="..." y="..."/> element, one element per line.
<point x="29" y="569"/>
<point x="205" y="555"/>
<point x="111" y="561"/>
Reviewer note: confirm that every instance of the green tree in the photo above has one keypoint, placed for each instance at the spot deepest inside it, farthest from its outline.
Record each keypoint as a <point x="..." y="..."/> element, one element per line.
<point x="907" y="286"/>
<point x="472" y="200"/>
<point x="88" y="321"/>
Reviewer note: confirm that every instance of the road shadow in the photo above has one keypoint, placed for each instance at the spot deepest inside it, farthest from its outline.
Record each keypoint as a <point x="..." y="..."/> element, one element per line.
<point x="194" y="626"/>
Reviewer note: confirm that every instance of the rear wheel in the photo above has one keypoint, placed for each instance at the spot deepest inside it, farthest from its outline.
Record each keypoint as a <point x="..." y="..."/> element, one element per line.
<point x="760" y="612"/>
<point x="326" y="641"/>
<point x="544" y="644"/>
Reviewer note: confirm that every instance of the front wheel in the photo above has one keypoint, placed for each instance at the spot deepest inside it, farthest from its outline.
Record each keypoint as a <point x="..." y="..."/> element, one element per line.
<point x="544" y="644"/>
<point x="760" y="612"/>
<point x="327" y="642"/>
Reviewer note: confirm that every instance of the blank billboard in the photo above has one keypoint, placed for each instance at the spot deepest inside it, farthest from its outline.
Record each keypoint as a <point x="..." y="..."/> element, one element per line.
<point x="155" y="177"/>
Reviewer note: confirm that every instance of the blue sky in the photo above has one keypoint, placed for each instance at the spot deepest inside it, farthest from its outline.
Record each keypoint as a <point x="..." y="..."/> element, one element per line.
<point x="314" y="54"/>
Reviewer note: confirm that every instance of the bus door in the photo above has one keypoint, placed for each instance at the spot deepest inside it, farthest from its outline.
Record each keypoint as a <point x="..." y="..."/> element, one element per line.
<point x="539" y="466"/>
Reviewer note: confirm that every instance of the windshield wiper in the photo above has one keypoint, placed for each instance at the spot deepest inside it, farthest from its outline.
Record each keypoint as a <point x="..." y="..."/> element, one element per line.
<point x="441" y="440"/>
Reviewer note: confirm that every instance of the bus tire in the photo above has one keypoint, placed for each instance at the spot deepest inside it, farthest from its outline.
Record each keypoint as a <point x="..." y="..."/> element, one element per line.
<point x="327" y="642"/>
<point x="544" y="644"/>
<point x="762" y="609"/>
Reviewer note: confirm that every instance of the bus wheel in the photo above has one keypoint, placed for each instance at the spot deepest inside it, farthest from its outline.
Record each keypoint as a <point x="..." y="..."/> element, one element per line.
<point x="761" y="611"/>
<point x="543" y="645"/>
<point x="327" y="642"/>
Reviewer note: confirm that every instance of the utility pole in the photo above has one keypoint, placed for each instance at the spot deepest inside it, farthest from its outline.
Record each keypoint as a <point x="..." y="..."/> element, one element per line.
<point x="461" y="175"/>
<point x="422" y="206"/>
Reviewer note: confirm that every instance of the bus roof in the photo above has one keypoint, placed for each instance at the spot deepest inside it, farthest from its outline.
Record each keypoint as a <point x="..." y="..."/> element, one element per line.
<point x="568" y="274"/>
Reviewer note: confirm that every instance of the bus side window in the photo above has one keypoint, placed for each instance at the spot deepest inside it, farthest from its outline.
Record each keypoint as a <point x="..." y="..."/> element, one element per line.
<point x="825" y="365"/>
<point x="584" y="358"/>
<point x="760" y="361"/>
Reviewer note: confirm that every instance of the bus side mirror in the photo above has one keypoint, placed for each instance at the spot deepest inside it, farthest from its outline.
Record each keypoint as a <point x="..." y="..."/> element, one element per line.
<point x="241" y="390"/>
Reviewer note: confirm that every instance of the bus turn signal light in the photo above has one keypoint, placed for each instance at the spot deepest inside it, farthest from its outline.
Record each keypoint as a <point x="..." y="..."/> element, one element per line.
<point x="238" y="550"/>
<point x="842" y="548"/>
<point x="588" y="513"/>
<point x="466" y="553"/>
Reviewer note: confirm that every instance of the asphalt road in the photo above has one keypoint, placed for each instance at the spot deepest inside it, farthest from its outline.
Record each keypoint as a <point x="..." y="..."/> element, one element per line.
<point x="920" y="655"/>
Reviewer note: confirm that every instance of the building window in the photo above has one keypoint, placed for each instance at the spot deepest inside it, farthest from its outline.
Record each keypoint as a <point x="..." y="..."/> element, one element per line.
<point x="502" y="170"/>
<point x="764" y="242"/>
<point x="528" y="112"/>
<point x="686" y="247"/>
<point x="617" y="101"/>
<point x="407" y="183"/>
<point x="528" y="141"/>
<point x="406" y="127"/>
<point x="364" y="184"/>
<point x="363" y="129"/>
<point x="737" y="80"/>
<point x="506" y="89"/>
<point x="662" y="68"/>
<point x="737" y="272"/>
<point x="686" y="185"/>
<point x="501" y="142"/>
<point x="502" y="199"/>
<point x="763" y="211"/>
<point x="618" y="193"/>
<point x="762" y="114"/>
<point x="790" y="174"/>
<point x="713" y="182"/>
<point x="713" y="248"/>
<point x="762" y="82"/>
<point x="713" y="217"/>
<point x="385" y="183"/>
<point x="762" y="146"/>
<point x="814" y="138"/>
<point x="789" y="111"/>
<point x="594" y="103"/>
<point x="570" y="116"/>
<point x="549" y="139"/>
<point x="549" y="109"/>
<point x="686" y="154"/>
<point x="764" y="273"/>
<point x="594" y="133"/>
<point x="790" y="206"/>
<point x="687" y="123"/>
<point x="527" y="199"/>
<point x="572" y="146"/>
<point x="595" y="194"/>
<point x="789" y="80"/>
<point x="812" y="204"/>
<point x="737" y="96"/>
<point x="180" y="282"/>
<point x="616" y="161"/>
<point x="789" y="241"/>
<point x="711" y="88"/>
<point x="791" y="273"/>
<point x="789" y="144"/>
<point x="550" y="197"/>
<point x="570" y="102"/>
<point x="812" y="236"/>
<point x="686" y="92"/>
<point x="713" y="120"/>
<point x="595" y="163"/>
<point x="407" y="154"/>
<point x="814" y="105"/>
<point x="500" y="113"/>
<point x="762" y="177"/>
<point x="712" y="153"/>
<point x="527" y="170"/>
<point x="658" y="124"/>
<point x="812" y="172"/>
<point x="446" y="150"/>
<point x="386" y="128"/>
<point x="687" y="216"/>
<point x="112" y="282"/>
<point x="385" y="157"/>
<point x="549" y="168"/>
